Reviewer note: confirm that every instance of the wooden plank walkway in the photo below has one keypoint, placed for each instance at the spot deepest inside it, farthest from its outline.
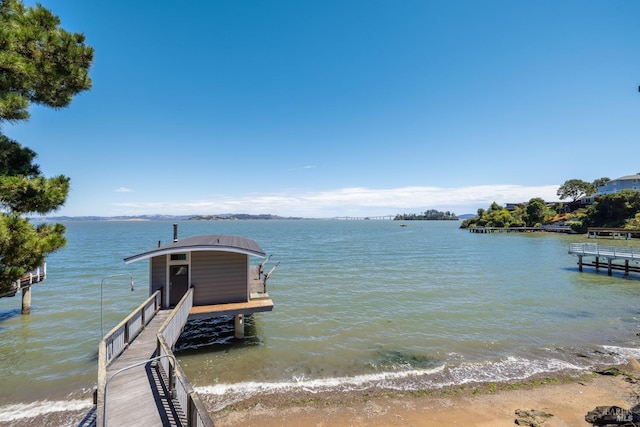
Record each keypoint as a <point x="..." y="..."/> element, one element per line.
<point x="137" y="397"/>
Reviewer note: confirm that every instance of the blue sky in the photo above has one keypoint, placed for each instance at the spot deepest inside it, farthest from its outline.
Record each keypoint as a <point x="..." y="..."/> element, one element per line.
<point x="332" y="108"/>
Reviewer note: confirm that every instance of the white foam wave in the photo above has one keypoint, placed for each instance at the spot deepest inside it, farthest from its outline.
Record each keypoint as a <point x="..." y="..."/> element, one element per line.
<point x="227" y="394"/>
<point x="19" y="411"/>
<point x="622" y="353"/>
<point x="314" y="385"/>
<point x="508" y="369"/>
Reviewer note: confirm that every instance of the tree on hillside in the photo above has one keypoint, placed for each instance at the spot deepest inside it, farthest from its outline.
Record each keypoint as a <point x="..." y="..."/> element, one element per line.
<point x="601" y="182"/>
<point x="537" y="212"/>
<point x="43" y="64"/>
<point x="575" y="189"/>
<point x="613" y="210"/>
<point x="431" y="214"/>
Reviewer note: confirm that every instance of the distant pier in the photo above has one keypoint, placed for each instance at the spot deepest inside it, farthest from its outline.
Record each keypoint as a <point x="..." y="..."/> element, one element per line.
<point x="612" y="257"/>
<point x="614" y="233"/>
<point x="552" y="229"/>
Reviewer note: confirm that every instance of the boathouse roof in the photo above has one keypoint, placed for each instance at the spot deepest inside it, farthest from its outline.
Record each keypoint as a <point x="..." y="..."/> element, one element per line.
<point x="212" y="242"/>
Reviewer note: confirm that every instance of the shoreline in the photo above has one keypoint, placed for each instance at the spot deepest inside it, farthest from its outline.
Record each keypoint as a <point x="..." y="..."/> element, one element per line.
<point x="565" y="399"/>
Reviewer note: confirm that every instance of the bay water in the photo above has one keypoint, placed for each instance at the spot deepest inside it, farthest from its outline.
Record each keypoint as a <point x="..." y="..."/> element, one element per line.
<point x="358" y="304"/>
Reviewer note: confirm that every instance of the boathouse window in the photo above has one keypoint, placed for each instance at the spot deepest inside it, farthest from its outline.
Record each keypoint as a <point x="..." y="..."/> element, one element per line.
<point x="178" y="257"/>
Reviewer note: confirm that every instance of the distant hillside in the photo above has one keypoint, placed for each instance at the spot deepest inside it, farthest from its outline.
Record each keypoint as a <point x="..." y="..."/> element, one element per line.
<point x="226" y="217"/>
<point x="117" y="218"/>
<point x="220" y="217"/>
<point x="466" y="216"/>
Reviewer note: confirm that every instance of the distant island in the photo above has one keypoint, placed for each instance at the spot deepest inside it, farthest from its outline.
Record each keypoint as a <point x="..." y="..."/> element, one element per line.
<point x="428" y="215"/>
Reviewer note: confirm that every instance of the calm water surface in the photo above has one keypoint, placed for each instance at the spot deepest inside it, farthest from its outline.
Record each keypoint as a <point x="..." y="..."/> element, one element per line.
<point x="357" y="304"/>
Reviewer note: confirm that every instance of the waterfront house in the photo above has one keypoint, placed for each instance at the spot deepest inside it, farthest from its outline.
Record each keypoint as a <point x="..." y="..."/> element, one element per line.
<point x="218" y="269"/>
<point x="628" y="182"/>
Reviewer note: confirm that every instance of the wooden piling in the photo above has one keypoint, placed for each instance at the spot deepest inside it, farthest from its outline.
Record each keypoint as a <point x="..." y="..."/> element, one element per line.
<point x="626" y="267"/>
<point x="26" y="300"/>
<point x="239" y="326"/>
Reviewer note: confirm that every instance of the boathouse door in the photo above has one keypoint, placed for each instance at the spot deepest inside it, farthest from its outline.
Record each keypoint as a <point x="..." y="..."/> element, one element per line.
<point x="178" y="283"/>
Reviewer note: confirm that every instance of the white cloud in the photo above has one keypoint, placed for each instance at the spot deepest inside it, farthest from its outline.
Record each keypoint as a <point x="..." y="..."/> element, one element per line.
<point x="303" y="167"/>
<point x="356" y="201"/>
<point x="123" y="190"/>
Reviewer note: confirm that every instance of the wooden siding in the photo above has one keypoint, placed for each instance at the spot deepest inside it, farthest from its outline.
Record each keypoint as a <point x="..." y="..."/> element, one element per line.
<point x="219" y="277"/>
<point x="158" y="273"/>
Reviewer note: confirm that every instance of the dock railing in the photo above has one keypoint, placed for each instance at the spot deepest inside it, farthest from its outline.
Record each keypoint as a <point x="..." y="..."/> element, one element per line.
<point x="35" y="276"/>
<point x="117" y="340"/>
<point x="593" y="249"/>
<point x="28" y="279"/>
<point x="195" y="412"/>
<point x="120" y="336"/>
<point x="542" y="228"/>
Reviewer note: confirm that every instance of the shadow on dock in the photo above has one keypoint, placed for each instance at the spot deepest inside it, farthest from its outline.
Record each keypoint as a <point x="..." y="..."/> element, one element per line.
<point x="89" y="420"/>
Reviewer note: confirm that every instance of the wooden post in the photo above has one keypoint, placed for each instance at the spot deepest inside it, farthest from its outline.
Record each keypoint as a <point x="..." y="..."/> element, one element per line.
<point x="26" y="300"/>
<point x="580" y="263"/>
<point x="597" y="264"/>
<point x="626" y="267"/>
<point x="609" y="261"/>
<point x="239" y="326"/>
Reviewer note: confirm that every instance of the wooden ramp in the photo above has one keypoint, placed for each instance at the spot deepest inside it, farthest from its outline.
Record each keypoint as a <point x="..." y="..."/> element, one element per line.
<point x="137" y="396"/>
<point x="140" y="382"/>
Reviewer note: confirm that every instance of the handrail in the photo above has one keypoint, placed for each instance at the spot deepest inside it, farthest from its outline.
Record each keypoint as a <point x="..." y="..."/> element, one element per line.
<point x="195" y="411"/>
<point x="118" y="338"/>
<point x="119" y="371"/>
<point x="172" y="326"/>
<point x="26" y="280"/>
<point x="124" y="332"/>
<point x="168" y="334"/>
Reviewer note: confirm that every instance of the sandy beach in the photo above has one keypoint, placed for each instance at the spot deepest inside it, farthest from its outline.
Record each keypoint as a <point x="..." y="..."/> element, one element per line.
<point x="566" y="401"/>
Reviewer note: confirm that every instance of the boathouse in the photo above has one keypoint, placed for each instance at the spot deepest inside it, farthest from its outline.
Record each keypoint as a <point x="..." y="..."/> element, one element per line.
<point x="218" y="269"/>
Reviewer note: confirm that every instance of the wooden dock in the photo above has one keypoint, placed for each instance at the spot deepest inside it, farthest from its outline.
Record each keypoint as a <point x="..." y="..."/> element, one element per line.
<point x="135" y="395"/>
<point x="31" y="278"/>
<point x="612" y="256"/>
<point x="548" y="229"/>
<point x="614" y="233"/>
<point x="140" y="382"/>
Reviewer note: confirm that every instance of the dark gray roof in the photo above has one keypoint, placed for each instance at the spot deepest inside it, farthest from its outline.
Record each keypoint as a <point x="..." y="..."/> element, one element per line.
<point x="628" y="177"/>
<point x="213" y="242"/>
